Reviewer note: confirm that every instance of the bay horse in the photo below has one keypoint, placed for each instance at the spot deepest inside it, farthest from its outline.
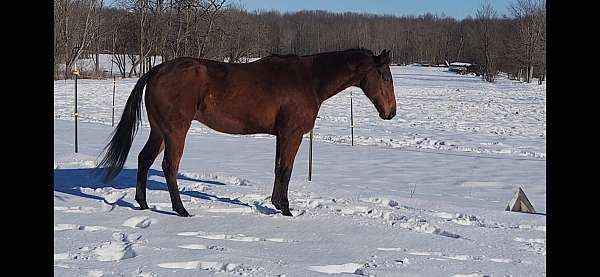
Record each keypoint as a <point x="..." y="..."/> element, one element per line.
<point x="278" y="95"/>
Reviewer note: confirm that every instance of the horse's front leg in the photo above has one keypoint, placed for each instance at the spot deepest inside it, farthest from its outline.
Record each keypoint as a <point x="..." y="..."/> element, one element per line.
<point x="287" y="147"/>
<point x="174" y="144"/>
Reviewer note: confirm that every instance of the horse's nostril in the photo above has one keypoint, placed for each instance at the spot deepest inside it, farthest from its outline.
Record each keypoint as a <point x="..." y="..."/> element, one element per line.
<point x="392" y="114"/>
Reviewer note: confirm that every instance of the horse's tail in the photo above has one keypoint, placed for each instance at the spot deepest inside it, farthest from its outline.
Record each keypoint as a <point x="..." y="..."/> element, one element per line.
<point x="117" y="149"/>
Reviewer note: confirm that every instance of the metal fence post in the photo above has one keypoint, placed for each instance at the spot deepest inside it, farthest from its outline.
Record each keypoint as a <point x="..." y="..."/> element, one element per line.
<point x="76" y="114"/>
<point x="113" y="101"/>
<point x="351" y="121"/>
<point x="310" y="146"/>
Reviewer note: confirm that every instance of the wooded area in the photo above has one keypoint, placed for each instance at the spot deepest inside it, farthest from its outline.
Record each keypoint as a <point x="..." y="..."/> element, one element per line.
<point x="136" y="30"/>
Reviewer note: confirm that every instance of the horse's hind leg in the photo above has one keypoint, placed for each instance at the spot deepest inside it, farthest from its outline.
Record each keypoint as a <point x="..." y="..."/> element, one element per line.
<point x="174" y="143"/>
<point x="146" y="158"/>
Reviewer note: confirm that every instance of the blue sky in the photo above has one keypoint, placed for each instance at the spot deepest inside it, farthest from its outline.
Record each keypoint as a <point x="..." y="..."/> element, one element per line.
<point x="455" y="8"/>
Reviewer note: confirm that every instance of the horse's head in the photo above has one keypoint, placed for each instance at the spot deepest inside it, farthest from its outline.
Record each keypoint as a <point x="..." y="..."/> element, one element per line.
<point x="378" y="86"/>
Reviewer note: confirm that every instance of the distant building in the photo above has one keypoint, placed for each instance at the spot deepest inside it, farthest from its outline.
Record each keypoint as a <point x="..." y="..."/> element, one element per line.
<point x="459" y="67"/>
<point x="463" y="68"/>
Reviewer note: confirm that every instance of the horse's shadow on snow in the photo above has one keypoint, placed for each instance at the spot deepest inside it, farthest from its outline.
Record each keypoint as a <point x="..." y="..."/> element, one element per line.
<point x="69" y="181"/>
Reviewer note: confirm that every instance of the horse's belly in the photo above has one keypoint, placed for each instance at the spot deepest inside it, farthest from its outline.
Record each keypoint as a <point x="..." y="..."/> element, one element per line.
<point x="225" y="123"/>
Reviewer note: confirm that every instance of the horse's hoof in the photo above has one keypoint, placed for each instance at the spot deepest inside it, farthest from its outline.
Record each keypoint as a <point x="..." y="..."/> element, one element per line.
<point x="143" y="205"/>
<point x="283" y="206"/>
<point x="286" y="212"/>
<point x="182" y="213"/>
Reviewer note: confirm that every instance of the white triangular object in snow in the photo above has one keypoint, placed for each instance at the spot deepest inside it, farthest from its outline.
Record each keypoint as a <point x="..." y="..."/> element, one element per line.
<point x="520" y="203"/>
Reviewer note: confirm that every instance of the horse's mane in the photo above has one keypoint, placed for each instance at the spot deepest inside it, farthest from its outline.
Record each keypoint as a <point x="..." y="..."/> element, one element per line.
<point x="358" y="50"/>
<point x="283" y="55"/>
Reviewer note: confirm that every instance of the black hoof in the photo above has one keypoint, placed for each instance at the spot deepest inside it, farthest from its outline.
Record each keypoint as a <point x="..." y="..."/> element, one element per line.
<point x="143" y="204"/>
<point x="182" y="212"/>
<point x="283" y="206"/>
<point x="286" y="212"/>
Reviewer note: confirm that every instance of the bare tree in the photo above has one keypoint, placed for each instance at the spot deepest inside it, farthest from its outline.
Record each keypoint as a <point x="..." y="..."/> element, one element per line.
<point x="74" y="20"/>
<point x="530" y="22"/>
<point x="98" y="35"/>
<point x="212" y="12"/>
<point x="137" y="30"/>
<point x="485" y="33"/>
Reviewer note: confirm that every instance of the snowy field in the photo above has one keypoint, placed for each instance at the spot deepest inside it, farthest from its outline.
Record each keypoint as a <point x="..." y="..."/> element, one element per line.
<point x="422" y="194"/>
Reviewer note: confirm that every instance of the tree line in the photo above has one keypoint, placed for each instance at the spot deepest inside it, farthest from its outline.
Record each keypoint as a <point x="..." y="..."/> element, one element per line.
<point x="135" y="31"/>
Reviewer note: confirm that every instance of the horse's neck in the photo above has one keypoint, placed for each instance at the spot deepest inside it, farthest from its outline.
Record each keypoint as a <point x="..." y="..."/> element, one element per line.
<point x="333" y="83"/>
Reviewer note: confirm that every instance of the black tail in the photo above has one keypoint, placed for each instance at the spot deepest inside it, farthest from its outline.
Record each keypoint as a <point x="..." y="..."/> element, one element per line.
<point x="122" y="137"/>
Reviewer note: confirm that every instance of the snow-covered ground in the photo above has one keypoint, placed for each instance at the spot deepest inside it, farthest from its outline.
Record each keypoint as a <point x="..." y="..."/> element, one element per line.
<point x="420" y="195"/>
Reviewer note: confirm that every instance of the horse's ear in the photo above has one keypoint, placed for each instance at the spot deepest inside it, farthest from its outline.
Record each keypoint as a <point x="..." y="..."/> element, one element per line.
<point x="384" y="57"/>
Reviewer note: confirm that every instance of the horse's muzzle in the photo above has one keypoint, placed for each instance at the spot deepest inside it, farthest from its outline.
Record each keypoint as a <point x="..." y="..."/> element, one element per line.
<point x="388" y="116"/>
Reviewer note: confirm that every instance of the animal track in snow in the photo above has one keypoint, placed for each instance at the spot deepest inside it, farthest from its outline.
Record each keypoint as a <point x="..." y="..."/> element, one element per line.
<point x="120" y="248"/>
<point x="436" y="253"/>
<point x="184" y="265"/>
<point x="193" y="246"/>
<point x="530" y="240"/>
<point x="67" y="226"/>
<point x="470" y="275"/>
<point x="139" y="273"/>
<point x="76" y="209"/>
<point x="466" y="220"/>
<point x="383" y="201"/>
<point x="236" y="237"/>
<point x="537" y="245"/>
<point x="444" y="257"/>
<point x="471" y="220"/>
<point x="541" y="228"/>
<point x="353" y="268"/>
<point x="416" y="253"/>
<point x="138" y="222"/>
<point x="230" y="210"/>
<point x="209" y="265"/>
<point x="386" y="211"/>
<point x="390" y="249"/>
<point x="239" y="237"/>
<point x="114" y="196"/>
<point x="462" y="257"/>
<point x="501" y="260"/>
<point x="95" y="273"/>
<point x="109" y="195"/>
